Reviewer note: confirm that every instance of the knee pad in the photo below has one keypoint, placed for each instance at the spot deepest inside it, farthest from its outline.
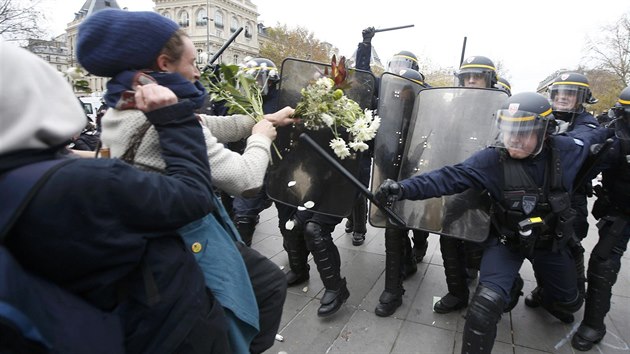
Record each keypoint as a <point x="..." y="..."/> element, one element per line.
<point x="314" y="235"/>
<point x="485" y="310"/>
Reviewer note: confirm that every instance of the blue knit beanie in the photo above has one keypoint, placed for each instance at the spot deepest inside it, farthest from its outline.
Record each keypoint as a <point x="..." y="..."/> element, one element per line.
<point x="111" y="41"/>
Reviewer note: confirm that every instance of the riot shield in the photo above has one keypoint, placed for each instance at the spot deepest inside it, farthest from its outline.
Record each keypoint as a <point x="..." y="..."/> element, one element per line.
<point x="449" y="125"/>
<point x="301" y="178"/>
<point x="396" y="100"/>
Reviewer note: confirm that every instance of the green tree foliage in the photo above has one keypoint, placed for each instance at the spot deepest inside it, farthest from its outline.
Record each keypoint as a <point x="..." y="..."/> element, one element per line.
<point x="297" y="42"/>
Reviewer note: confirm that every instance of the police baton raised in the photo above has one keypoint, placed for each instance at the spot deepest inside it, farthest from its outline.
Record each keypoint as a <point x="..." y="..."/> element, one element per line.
<point x="222" y="49"/>
<point x="363" y="189"/>
<point x="392" y="28"/>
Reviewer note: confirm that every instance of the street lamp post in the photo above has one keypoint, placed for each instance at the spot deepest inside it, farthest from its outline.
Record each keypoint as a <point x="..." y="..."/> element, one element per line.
<point x="208" y="27"/>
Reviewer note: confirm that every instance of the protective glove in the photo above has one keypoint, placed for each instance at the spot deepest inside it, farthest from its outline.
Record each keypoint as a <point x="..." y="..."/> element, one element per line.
<point x="389" y="192"/>
<point x="368" y="34"/>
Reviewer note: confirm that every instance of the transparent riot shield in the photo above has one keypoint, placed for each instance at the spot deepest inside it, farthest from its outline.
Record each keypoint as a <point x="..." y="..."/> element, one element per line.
<point x="449" y="125"/>
<point x="396" y="100"/>
<point x="301" y="178"/>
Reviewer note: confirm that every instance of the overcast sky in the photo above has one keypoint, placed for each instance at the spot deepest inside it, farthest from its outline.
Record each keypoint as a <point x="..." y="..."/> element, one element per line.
<point x="530" y="38"/>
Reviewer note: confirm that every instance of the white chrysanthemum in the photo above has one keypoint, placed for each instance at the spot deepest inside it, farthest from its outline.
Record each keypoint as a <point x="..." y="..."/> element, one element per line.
<point x="358" y="145"/>
<point x="327" y="119"/>
<point x="340" y="148"/>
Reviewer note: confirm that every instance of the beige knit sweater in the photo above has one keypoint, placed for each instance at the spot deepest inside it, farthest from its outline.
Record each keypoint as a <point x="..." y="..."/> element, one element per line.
<point x="231" y="172"/>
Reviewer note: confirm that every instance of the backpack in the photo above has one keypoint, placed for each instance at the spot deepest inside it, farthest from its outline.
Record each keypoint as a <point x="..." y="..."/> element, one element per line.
<point x="37" y="316"/>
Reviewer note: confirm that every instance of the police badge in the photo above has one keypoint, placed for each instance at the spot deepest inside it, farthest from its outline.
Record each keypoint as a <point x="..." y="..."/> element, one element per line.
<point x="528" y="203"/>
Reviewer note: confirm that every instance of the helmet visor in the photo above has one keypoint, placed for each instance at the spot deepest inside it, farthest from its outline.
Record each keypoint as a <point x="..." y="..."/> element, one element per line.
<point x="400" y="62"/>
<point x="480" y="78"/>
<point x="567" y="98"/>
<point x="521" y="133"/>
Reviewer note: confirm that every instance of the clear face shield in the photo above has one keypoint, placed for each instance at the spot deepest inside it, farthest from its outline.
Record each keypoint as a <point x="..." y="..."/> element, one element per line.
<point x="521" y="133"/>
<point x="400" y="62"/>
<point x="262" y="74"/>
<point x="474" y="78"/>
<point x="622" y="120"/>
<point x="567" y="98"/>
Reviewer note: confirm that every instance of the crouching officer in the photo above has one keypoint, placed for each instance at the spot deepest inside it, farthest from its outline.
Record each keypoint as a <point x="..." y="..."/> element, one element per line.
<point x="612" y="209"/>
<point x="528" y="175"/>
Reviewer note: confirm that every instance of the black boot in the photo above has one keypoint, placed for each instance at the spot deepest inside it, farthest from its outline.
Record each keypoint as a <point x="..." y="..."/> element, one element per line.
<point x="333" y="299"/>
<point x="408" y="263"/>
<point x="564" y="310"/>
<point x="515" y="292"/>
<point x="420" y="244"/>
<point x="359" y="220"/>
<point x="326" y="257"/>
<point x="294" y="244"/>
<point x="455" y="271"/>
<point x="602" y="275"/>
<point x="391" y="297"/>
<point x="349" y="225"/>
<point x="388" y="302"/>
<point x="533" y="299"/>
<point x="246" y="225"/>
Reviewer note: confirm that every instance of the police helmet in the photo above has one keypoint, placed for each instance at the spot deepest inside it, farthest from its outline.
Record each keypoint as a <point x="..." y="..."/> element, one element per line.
<point x="263" y="70"/>
<point x="522" y="123"/>
<point x="413" y="75"/>
<point x="569" y="91"/>
<point x="402" y="60"/>
<point x="621" y="114"/>
<point x="477" y="67"/>
<point x="504" y="85"/>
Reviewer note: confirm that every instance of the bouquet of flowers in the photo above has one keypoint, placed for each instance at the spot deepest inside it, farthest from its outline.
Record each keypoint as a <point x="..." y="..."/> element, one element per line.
<point x="324" y="105"/>
<point x="238" y="90"/>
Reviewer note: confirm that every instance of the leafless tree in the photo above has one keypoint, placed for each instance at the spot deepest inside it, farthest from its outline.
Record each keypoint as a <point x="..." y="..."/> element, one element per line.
<point x="611" y="52"/>
<point x="21" y="19"/>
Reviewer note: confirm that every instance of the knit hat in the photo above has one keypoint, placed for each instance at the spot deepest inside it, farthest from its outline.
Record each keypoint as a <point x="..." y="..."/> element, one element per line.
<point x="111" y="41"/>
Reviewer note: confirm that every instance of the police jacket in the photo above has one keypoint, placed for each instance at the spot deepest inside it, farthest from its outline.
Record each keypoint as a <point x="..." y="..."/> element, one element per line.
<point x="97" y="226"/>
<point x="484" y="170"/>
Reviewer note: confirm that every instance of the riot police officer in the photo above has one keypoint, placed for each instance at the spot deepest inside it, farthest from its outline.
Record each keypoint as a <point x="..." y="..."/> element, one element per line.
<point x="568" y="94"/>
<point x="477" y="71"/>
<point x="528" y="175"/>
<point x="245" y="210"/>
<point x="461" y="259"/>
<point x="612" y="209"/>
<point x="504" y="85"/>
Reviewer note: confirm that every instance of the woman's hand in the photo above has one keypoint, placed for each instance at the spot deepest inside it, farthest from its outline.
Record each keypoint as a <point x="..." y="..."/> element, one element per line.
<point x="150" y="97"/>
<point x="282" y="117"/>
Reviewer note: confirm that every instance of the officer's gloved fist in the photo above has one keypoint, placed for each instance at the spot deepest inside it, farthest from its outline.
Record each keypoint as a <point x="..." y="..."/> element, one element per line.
<point x="368" y="34"/>
<point x="388" y="192"/>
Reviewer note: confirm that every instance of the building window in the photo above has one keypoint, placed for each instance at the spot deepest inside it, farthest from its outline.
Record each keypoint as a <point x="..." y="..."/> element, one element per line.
<point x="218" y="19"/>
<point x="248" y="31"/>
<point x="235" y="58"/>
<point x="234" y="24"/>
<point x="167" y="15"/>
<point x="184" y="20"/>
<point x="202" y="18"/>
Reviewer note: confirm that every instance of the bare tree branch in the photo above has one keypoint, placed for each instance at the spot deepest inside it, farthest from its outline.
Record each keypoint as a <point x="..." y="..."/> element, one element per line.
<point x="20" y="19"/>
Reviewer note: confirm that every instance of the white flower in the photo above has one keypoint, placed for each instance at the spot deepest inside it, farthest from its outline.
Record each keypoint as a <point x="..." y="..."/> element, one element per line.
<point x="327" y="119"/>
<point x="289" y="225"/>
<point x="339" y="147"/>
<point x="358" y="145"/>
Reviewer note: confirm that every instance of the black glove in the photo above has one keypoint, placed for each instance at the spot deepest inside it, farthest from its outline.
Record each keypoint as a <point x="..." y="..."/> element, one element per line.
<point x="389" y="192"/>
<point x="368" y="34"/>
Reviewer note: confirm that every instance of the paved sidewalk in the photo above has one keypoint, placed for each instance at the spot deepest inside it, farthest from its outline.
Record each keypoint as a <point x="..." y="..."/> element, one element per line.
<point x="414" y="327"/>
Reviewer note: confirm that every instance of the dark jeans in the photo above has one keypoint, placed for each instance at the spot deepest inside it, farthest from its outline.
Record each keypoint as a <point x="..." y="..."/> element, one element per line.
<point x="270" y="288"/>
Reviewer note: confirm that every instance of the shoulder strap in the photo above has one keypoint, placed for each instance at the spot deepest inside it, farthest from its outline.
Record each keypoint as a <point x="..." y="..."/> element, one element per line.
<point x="18" y="186"/>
